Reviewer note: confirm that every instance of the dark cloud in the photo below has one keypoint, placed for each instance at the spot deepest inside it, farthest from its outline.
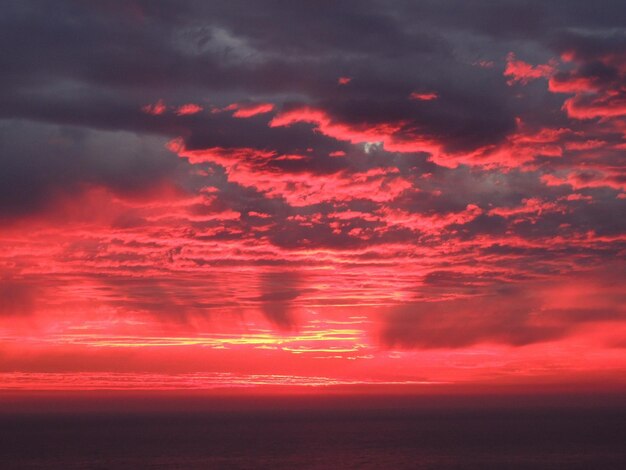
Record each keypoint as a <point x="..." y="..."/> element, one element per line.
<point x="168" y="299"/>
<point x="227" y="52"/>
<point x="279" y="291"/>
<point x="483" y="309"/>
<point x="40" y="162"/>
<point x="457" y="324"/>
<point x="128" y="55"/>
<point x="18" y="298"/>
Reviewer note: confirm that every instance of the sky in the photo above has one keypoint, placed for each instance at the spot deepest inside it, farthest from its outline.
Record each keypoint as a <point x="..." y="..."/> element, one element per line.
<point x="306" y="196"/>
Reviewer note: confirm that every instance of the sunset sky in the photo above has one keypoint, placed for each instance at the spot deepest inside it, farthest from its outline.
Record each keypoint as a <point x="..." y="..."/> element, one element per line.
<point x="291" y="195"/>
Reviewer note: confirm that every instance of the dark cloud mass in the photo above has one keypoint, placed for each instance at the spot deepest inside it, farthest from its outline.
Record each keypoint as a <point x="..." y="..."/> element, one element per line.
<point x="457" y="153"/>
<point x="17" y="298"/>
<point x="516" y="315"/>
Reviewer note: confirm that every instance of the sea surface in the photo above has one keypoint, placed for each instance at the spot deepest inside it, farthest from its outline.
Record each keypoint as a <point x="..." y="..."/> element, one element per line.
<point x="333" y="439"/>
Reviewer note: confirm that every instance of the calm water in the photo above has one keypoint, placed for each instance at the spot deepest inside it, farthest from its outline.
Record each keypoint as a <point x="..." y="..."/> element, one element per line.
<point x="521" y="439"/>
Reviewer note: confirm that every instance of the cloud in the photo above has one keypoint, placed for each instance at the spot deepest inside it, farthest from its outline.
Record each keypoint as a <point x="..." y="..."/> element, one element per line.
<point x="18" y="298"/>
<point x="187" y="109"/>
<point x="279" y="291"/>
<point x="451" y="165"/>
<point x="521" y="72"/>
<point x="44" y="161"/>
<point x="481" y="311"/>
<point x="247" y="110"/>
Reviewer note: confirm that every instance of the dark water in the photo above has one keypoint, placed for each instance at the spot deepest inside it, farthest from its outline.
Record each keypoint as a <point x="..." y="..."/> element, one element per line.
<point x="461" y="439"/>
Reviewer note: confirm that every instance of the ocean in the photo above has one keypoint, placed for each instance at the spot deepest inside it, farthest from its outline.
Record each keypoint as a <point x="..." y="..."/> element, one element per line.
<point x="522" y="438"/>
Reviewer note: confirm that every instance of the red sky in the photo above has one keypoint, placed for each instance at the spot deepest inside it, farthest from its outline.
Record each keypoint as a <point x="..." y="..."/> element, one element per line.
<point x="208" y="197"/>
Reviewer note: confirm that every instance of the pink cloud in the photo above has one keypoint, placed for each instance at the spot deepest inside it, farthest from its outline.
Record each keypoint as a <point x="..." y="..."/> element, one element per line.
<point x="389" y="134"/>
<point x="423" y="96"/>
<point x="522" y="72"/>
<point x="247" y="110"/>
<point x="155" y="109"/>
<point x="188" y="109"/>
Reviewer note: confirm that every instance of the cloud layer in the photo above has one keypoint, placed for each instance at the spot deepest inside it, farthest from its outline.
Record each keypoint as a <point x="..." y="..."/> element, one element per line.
<point x="377" y="177"/>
